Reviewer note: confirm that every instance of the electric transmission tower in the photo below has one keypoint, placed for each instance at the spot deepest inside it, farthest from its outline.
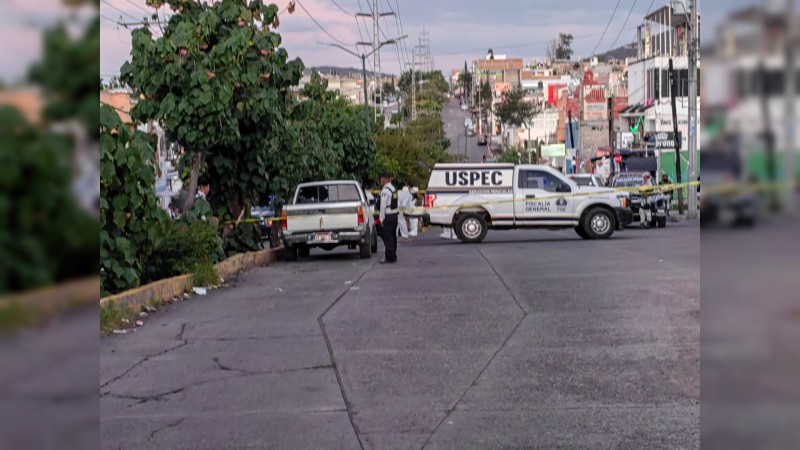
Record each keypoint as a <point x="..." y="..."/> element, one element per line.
<point x="377" y="84"/>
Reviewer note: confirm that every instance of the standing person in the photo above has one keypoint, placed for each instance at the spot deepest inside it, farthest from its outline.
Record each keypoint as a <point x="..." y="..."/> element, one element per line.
<point x="387" y="219"/>
<point x="404" y="202"/>
<point x="645" y="216"/>
<point x="413" y="222"/>
<point x="666" y="181"/>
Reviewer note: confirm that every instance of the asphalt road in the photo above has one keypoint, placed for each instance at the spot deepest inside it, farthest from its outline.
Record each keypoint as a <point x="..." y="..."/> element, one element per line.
<point x="532" y="339"/>
<point x="453" y="119"/>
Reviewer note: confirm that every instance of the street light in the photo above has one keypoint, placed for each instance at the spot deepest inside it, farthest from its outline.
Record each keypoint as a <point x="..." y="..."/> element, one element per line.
<point x="364" y="66"/>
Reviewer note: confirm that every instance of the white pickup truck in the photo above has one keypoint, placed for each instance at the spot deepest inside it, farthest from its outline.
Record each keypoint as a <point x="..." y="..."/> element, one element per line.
<point x="328" y="214"/>
<point x="473" y="198"/>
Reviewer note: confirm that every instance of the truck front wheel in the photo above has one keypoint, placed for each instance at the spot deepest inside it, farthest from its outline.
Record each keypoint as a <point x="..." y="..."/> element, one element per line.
<point x="598" y="223"/>
<point x="471" y="228"/>
<point x="581" y="233"/>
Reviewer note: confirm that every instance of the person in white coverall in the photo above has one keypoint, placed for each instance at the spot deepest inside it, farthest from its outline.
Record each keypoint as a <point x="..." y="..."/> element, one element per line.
<point x="413" y="222"/>
<point x="645" y="216"/>
<point x="404" y="200"/>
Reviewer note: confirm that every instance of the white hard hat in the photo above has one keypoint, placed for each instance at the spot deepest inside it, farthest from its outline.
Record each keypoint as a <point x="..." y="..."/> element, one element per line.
<point x="414" y="190"/>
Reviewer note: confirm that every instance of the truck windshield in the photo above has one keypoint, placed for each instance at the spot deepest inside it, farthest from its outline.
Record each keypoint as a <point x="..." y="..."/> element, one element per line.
<point x="328" y="193"/>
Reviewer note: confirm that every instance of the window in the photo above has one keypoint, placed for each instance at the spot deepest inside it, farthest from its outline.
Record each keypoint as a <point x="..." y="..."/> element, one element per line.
<point x="328" y="194"/>
<point x="538" y="179"/>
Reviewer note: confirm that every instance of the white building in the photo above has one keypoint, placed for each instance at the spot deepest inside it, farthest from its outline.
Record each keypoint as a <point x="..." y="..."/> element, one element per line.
<point x="543" y="129"/>
<point x="662" y="37"/>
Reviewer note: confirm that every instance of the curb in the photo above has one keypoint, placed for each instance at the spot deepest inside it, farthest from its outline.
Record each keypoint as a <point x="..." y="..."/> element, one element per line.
<point x="176" y="286"/>
<point x="48" y="300"/>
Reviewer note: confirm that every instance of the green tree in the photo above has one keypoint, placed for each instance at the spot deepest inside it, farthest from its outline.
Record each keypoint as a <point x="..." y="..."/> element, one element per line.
<point x="389" y="89"/>
<point x="515" y="110"/>
<point x="326" y="138"/>
<point x="465" y="80"/>
<point x="67" y="73"/>
<point x="45" y="237"/>
<point x="486" y="96"/>
<point x="132" y="224"/>
<point x="563" y="50"/>
<point x="219" y="84"/>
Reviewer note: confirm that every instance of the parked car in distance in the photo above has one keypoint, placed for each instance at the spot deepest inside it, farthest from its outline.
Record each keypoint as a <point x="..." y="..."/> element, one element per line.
<point x="464" y="107"/>
<point x="586" y="179"/>
<point x="657" y="200"/>
<point x="482" y="140"/>
<point x="264" y="215"/>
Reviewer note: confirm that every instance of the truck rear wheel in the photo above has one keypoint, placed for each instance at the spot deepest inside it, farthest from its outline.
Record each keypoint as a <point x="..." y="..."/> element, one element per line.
<point x="581" y="233"/>
<point x="471" y="228"/>
<point x="374" y="244"/>
<point x="598" y="223"/>
<point x="365" y="249"/>
<point x="290" y="253"/>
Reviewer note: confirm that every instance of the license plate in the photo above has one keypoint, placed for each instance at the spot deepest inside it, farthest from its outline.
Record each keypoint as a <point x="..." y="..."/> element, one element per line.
<point x="323" y="237"/>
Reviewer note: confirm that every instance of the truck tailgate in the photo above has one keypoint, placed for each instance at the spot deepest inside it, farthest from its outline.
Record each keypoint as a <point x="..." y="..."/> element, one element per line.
<point x="322" y="217"/>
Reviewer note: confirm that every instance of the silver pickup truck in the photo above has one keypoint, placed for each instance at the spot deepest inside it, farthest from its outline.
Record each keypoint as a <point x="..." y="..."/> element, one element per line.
<point x="327" y="214"/>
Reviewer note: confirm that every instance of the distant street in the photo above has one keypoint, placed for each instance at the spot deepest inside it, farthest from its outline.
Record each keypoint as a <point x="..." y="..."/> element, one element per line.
<point x="532" y="339"/>
<point x="453" y="119"/>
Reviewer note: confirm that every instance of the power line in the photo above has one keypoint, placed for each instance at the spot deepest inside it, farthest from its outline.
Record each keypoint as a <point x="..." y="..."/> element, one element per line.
<point x="341" y="9"/>
<point x="397" y="46"/>
<point x="318" y="24"/>
<point x="610" y="19"/>
<point x="114" y="21"/>
<point x="137" y="6"/>
<point x="402" y="32"/>
<point x="623" y="25"/>
<point x="107" y="3"/>
<point x="525" y="44"/>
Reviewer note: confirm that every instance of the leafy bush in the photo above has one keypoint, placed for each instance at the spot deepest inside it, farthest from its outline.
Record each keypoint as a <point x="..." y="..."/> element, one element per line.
<point x="185" y="246"/>
<point x="132" y="223"/>
<point x="205" y="275"/>
<point x="244" y="238"/>
<point x="45" y="237"/>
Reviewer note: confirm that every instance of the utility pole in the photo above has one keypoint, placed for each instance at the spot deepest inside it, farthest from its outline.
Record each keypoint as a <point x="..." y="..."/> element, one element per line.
<point x="466" y="128"/>
<point x="694" y="54"/>
<point x="363" y="58"/>
<point x="611" y="141"/>
<point x="672" y="93"/>
<point x="790" y="165"/>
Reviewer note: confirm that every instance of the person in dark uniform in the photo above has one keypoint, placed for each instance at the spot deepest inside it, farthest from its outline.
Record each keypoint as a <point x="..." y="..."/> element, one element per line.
<point x="387" y="218"/>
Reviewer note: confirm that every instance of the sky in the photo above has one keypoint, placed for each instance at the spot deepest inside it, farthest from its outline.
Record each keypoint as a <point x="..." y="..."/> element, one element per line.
<point x="459" y="30"/>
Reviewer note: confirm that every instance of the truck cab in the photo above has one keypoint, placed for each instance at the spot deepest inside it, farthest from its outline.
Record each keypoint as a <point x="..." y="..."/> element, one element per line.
<point x="475" y="198"/>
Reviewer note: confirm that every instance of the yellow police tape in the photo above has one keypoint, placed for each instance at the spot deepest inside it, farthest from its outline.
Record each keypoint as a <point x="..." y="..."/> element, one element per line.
<point x="727" y="189"/>
<point x="420" y="210"/>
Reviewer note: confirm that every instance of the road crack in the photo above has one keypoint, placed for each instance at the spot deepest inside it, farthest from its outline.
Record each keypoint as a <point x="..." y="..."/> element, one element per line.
<point x="334" y="365"/>
<point x="166" y="426"/>
<point x="491" y="359"/>
<point x="140" y="399"/>
<point x="184" y="343"/>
